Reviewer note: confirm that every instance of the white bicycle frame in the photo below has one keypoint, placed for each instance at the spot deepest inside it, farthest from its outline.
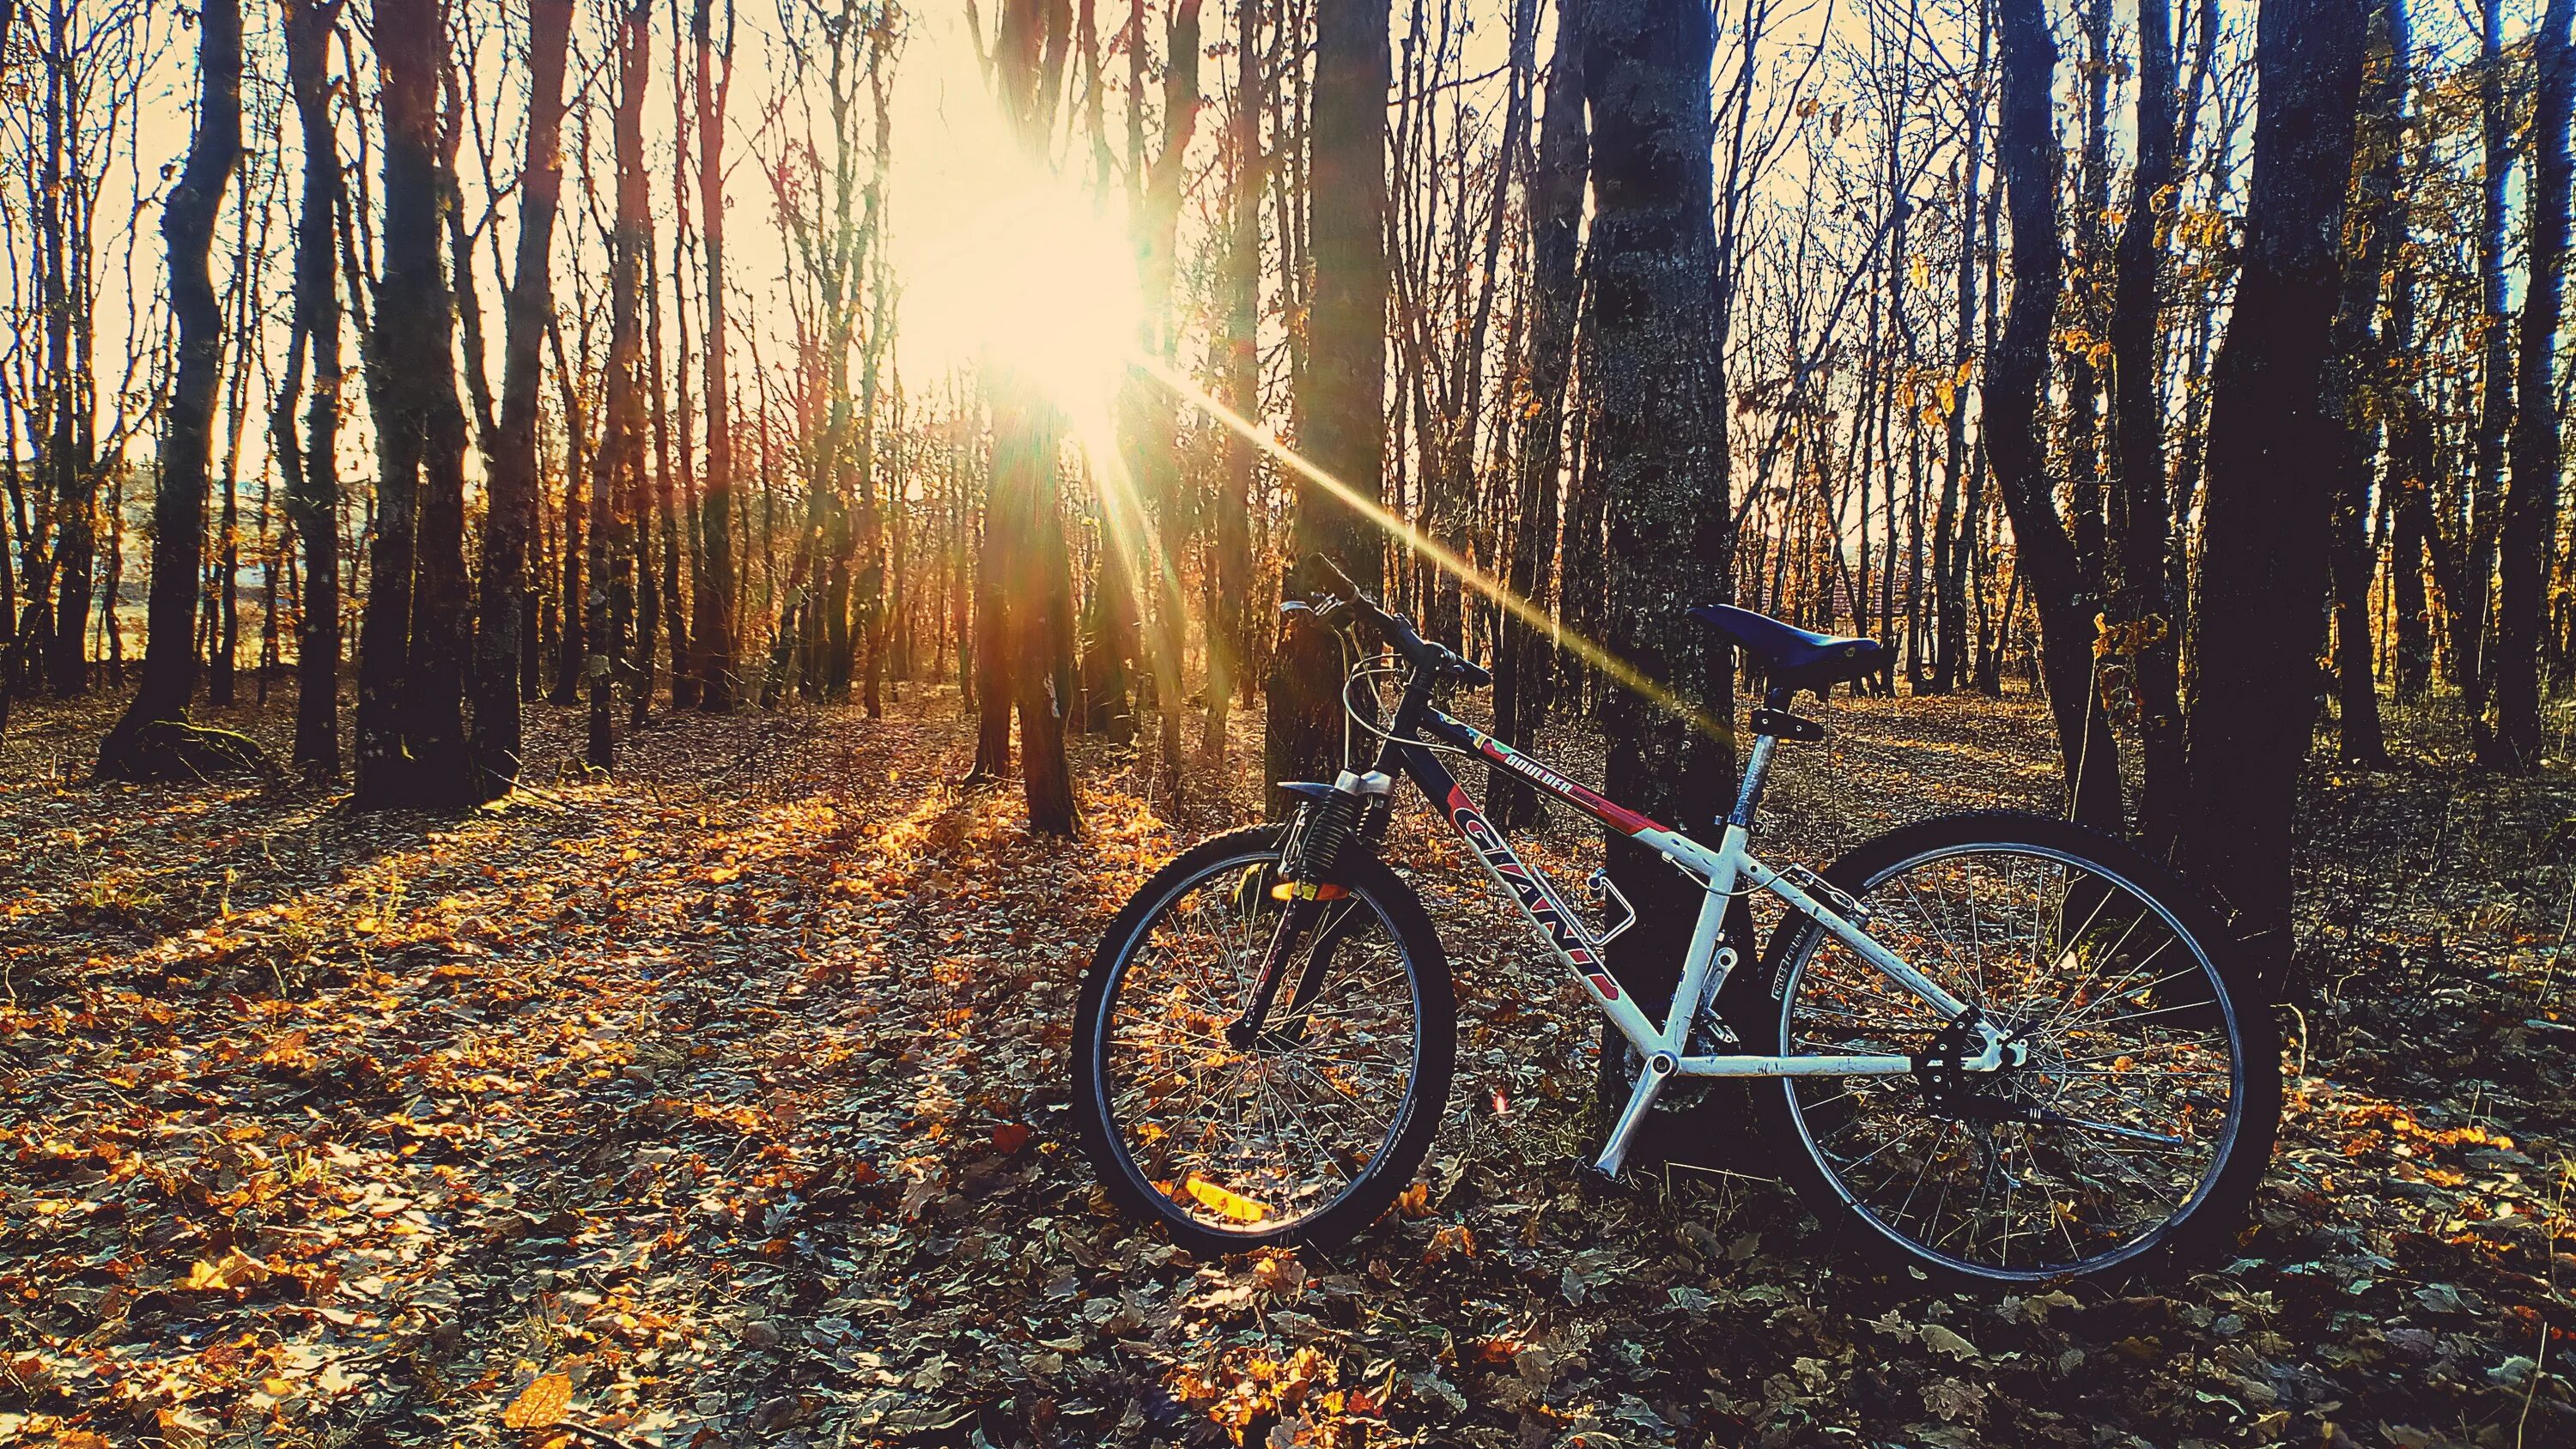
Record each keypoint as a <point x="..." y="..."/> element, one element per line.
<point x="1707" y="963"/>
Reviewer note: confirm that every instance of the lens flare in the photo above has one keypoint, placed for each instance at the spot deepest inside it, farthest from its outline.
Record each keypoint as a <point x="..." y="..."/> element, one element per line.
<point x="1004" y="259"/>
<point x="1033" y="275"/>
<point x="1620" y="671"/>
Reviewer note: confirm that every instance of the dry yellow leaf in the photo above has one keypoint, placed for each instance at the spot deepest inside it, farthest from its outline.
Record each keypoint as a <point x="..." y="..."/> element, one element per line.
<point x="540" y="1405"/>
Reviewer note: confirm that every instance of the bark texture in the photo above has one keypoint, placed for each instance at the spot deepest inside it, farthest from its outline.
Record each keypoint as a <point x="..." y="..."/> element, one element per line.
<point x="1652" y="385"/>
<point x="2530" y="525"/>
<point x="179" y="494"/>
<point x="2258" y="618"/>
<point x="1341" y="422"/>
<point x="511" y="521"/>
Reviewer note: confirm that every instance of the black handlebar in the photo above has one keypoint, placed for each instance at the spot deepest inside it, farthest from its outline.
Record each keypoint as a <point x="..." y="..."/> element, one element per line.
<point x="1332" y="589"/>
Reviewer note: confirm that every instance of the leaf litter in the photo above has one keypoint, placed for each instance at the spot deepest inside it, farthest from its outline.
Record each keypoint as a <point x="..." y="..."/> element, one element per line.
<point x="721" y="1101"/>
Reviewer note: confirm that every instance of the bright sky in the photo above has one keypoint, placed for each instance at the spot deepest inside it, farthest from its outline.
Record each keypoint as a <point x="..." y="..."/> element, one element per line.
<point x="998" y="257"/>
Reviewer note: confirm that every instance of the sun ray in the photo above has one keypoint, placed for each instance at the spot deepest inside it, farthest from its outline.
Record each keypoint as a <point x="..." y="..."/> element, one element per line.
<point x="1626" y="675"/>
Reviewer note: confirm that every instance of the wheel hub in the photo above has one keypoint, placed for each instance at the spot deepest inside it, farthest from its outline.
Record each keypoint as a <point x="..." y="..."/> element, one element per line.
<point x="1952" y="1087"/>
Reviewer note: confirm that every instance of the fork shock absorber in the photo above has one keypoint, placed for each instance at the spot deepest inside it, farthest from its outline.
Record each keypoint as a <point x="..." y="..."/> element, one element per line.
<point x="1309" y="868"/>
<point x="1309" y="871"/>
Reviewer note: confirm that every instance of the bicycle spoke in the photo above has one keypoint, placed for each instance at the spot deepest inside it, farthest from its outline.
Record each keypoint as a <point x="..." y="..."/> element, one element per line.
<point x="1281" y="1128"/>
<point x="2117" y="1113"/>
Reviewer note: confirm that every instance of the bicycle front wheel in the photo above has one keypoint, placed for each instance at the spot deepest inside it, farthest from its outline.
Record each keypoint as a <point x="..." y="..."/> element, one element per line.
<point x="1303" y="1134"/>
<point x="2142" y="1086"/>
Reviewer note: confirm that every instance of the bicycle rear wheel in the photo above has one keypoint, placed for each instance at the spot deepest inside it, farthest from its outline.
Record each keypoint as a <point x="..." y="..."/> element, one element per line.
<point x="1306" y="1133"/>
<point x="2138" y="1121"/>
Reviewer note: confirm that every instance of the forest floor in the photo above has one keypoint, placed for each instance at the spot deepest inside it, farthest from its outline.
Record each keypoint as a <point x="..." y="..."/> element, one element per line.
<point x="722" y="1101"/>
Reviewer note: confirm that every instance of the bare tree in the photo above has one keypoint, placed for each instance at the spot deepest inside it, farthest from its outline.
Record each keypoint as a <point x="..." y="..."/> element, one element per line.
<point x="1652" y="383"/>
<point x="1524" y="659"/>
<point x="2149" y="614"/>
<point x="1340" y="423"/>
<point x="2530" y="523"/>
<point x="2258" y="616"/>
<point x="312" y="465"/>
<point x="513" y="488"/>
<point x="621" y="450"/>
<point x="1024" y="592"/>
<point x="150" y="739"/>
<point x="2016" y="374"/>
<point x="2372" y="234"/>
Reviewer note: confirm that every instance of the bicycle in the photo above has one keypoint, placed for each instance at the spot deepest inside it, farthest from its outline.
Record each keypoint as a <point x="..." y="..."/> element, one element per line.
<point x="1998" y="1048"/>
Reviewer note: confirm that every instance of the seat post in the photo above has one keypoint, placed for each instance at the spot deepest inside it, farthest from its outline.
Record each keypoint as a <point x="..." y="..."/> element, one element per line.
<point x="1757" y="764"/>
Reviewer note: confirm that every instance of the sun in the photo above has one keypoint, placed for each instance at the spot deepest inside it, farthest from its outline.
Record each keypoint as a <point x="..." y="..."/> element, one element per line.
<point x="1004" y="262"/>
<point x="1036" y="280"/>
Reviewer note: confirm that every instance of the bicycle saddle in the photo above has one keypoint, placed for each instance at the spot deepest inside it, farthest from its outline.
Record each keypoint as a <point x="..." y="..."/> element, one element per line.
<point x="1793" y="656"/>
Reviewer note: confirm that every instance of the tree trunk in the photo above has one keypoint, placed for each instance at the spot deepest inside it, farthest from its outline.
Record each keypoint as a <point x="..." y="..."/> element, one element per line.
<point x="713" y="625"/>
<point x="1232" y="558"/>
<point x="1150" y="437"/>
<point x="2258" y="618"/>
<point x="1341" y="424"/>
<point x="132" y="750"/>
<point x="514" y="476"/>
<point x="1953" y="531"/>
<point x="71" y="462"/>
<point x="1525" y="659"/>
<point x="1651" y="388"/>
<point x="2355" y="364"/>
<point x="2137" y="421"/>
<point x="1027" y="576"/>
<point x="2471" y="606"/>
<point x="2016" y="374"/>
<point x="2087" y="517"/>
<point x="2530" y="531"/>
<point x="312" y="471"/>
<point x="613" y="484"/>
<point x="411" y="728"/>
<point x="668" y="604"/>
<point x="571" y="655"/>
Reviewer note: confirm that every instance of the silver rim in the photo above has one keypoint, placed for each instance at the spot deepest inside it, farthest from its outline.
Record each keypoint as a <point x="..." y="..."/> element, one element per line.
<point x="1255" y="1140"/>
<point x="2134" y="1071"/>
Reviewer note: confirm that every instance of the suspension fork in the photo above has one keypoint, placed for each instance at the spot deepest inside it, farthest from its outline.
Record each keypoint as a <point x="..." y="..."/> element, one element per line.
<point x="1368" y="801"/>
<point x="1301" y="914"/>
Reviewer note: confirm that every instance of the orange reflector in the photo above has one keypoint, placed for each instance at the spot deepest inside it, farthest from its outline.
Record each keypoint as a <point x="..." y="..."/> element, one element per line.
<point x="1289" y="890"/>
<point x="1226" y="1204"/>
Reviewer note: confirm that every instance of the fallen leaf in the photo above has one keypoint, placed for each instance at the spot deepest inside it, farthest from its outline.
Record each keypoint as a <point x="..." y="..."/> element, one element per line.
<point x="540" y="1405"/>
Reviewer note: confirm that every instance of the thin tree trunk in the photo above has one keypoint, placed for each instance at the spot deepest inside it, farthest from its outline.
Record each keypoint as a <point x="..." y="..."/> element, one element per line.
<point x="312" y="471"/>
<point x="2016" y="374"/>
<point x="1524" y="658"/>
<point x="514" y="480"/>
<point x="2471" y="606"/>
<point x="2151" y="616"/>
<point x="571" y="651"/>
<point x="621" y="449"/>
<point x="132" y="750"/>
<point x="1954" y="531"/>
<point x="2371" y="238"/>
<point x="72" y="464"/>
<point x="1232" y="559"/>
<point x="714" y="623"/>
<point x="2530" y="530"/>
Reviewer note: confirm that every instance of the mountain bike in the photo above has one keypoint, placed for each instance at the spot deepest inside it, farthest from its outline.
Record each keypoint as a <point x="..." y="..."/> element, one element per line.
<point x="1998" y="1048"/>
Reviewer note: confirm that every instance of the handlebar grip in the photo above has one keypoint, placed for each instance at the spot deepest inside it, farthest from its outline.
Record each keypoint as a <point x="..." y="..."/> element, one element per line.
<point x="1474" y="675"/>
